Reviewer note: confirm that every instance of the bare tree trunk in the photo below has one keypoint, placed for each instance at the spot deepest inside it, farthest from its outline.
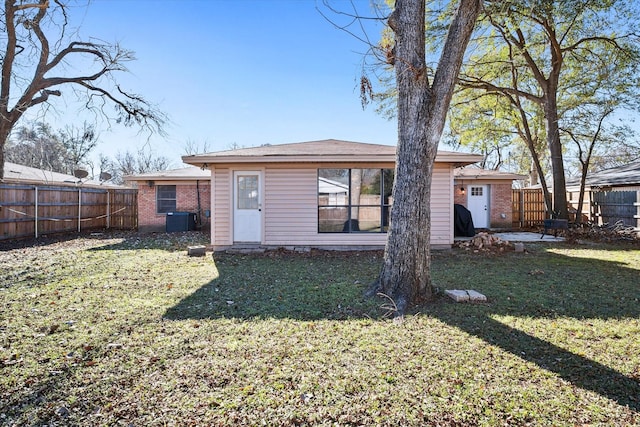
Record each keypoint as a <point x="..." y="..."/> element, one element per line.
<point x="583" y="184"/>
<point x="1" y="164"/>
<point x="5" y="131"/>
<point x="406" y="272"/>
<point x="557" y="163"/>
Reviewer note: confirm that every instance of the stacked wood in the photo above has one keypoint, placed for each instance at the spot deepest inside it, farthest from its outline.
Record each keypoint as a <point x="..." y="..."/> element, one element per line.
<point x="484" y="241"/>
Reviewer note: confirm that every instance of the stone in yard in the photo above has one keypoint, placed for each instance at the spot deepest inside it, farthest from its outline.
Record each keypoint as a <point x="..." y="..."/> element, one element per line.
<point x="465" y="295"/>
<point x="457" y="295"/>
<point x="196" y="250"/>
<point x="476" y="296"/>
<point x="519" y="247"/>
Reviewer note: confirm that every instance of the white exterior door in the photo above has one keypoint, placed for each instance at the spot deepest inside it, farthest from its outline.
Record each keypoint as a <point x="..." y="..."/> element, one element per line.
<point x="478" y="205"/>
<point x="247" y="207"/>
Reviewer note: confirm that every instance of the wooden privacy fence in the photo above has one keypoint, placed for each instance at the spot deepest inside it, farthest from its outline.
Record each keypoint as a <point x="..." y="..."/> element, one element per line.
<point x="615" y="207"/>
<point x="35" y="210"/>
<point x="599" y="207"/>
<point x="527" y="208"/>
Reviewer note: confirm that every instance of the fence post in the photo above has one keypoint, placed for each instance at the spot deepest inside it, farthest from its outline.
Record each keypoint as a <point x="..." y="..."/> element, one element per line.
<point x="79" y="207"/>
<point x="637" y="210"/>
<point x="108" y="210"/>
<point x="521" y="207"/>
<point x="35" y="187"/>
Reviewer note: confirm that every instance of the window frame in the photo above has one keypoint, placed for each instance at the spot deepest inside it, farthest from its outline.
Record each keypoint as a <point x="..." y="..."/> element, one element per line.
<point x="384" y="207"/>
<point x="173" y="199"/>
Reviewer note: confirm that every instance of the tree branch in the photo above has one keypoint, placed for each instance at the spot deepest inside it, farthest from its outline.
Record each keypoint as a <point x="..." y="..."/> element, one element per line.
<point x="474" y="83"/>
<point x="43" y="97"/>
<point x="519" y="42"/>
<point x="453" y="51"/>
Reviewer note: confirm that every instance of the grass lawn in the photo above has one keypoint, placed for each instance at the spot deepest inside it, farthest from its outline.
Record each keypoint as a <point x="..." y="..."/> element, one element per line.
<point x="128" y="330"/>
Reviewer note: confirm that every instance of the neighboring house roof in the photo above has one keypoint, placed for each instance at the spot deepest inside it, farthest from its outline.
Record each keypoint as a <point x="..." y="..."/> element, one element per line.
<point x="16" y="173"/>
<point x="625" y="175"/>
<point x="183" y="174"/>
<point x="328" y="150"/>
<point x="474" y="172"/>
<point x="329" y="186"/>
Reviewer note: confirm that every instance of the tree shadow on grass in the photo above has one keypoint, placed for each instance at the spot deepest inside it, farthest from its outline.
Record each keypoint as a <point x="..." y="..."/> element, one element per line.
<point x="284" y="285"/>
<point x="578" y="370"/>
<point x="128" y="240"/>
<point x="330" y="286"/>
<point x="176" y="241"/>
<point x="549" y="286"/>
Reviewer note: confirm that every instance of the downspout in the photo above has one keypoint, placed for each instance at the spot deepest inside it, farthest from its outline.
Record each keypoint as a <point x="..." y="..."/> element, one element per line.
<point x="199" y="207"/>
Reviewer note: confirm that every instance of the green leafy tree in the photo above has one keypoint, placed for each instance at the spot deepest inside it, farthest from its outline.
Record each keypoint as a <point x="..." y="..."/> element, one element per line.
<point x="532" y="66"/>
<point x="541" y="55"/>
<point x="422" y="105"/>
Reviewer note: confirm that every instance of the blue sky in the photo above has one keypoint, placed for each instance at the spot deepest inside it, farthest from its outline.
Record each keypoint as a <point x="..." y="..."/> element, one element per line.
<point x="244" y="72"/>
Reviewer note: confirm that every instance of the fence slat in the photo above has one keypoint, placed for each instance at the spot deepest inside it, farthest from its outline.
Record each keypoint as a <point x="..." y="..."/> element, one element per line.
<point x="611" y="207"/>
<point x="528" y="208"/>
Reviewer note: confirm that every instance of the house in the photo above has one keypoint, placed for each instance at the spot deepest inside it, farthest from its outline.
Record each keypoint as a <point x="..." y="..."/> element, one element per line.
<point x="619" y="178"/>
<point x="327" y="194"/>
<point x="487" y="194"/>
<point x="19" y="174"/>
<point x="167" y="192"/>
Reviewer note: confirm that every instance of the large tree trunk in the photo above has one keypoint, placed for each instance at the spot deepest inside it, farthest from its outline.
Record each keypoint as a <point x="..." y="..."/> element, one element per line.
<point x="583" y="184"/>
<point x="5" y="130"/>
<point x="2" y="163"/>
<point x="557" y="163"/>
<point x="422" y="109"/>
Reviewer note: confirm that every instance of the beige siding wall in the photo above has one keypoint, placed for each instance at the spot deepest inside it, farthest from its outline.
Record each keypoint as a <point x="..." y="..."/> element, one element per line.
<point x="291" y="208"/>
<point x="221" y="207"/>
<point x="442" y="205"/>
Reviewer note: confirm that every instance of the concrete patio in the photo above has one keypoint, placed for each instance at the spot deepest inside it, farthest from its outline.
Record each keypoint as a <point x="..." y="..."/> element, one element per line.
<point x="521" y="236"/>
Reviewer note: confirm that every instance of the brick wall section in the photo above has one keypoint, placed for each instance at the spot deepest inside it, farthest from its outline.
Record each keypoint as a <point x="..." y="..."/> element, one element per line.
<point x="186" y="201"/>
<point x="500" y="202"/>
<point x="459" y="198"/>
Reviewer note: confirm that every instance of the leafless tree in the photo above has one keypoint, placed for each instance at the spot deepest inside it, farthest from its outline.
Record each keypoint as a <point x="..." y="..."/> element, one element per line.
<point x="37" y="145"/>
<point x="35" y="48"/>
<point x="129" y="163"/>
<point x="79" y="142"/>
<point x="192" y="147"/>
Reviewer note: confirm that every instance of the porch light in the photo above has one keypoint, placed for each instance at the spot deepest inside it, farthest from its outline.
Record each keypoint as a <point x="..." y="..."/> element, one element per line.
<point x="462" y="189"/>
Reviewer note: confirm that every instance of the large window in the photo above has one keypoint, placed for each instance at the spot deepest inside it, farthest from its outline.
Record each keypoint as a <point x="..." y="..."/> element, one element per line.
<point x="165" y="198"/>
<point x="354" y="200"/>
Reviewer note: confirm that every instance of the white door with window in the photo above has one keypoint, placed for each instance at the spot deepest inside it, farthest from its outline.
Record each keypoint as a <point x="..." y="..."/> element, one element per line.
<point x="247" y="207"/>
<point x="478" y="205"/>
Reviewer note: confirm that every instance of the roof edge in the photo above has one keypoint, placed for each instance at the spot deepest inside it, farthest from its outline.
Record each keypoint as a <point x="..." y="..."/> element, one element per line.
<point x="460" y="159"/>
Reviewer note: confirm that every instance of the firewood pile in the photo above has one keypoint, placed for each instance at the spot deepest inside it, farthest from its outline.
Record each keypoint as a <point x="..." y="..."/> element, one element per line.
<point x="485" y="242"/>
